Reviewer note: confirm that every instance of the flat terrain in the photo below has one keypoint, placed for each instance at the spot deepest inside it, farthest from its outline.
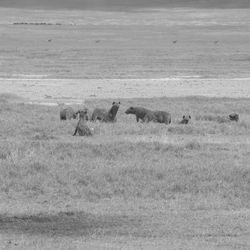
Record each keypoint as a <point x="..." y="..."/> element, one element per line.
<point x="57" y="56"/>
<point x="131" y="185"/>
<point x="77" y="91"/>
<point x="123" y="5"/>
<point x="170" y="43"/>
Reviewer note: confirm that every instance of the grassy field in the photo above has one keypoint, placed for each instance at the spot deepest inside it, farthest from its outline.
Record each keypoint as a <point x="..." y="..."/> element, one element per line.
<point x="130" y="186"/>
<point x="209" y="43"/>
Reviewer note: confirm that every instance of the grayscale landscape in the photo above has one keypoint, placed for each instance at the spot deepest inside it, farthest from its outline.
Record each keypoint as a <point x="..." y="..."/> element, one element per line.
<point x="132" y="185"/>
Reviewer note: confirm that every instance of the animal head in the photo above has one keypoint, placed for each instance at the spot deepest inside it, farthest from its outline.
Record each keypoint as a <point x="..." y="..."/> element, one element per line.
<point x="113" y="111"/>
<point x="234" y="117"/>
<point x="185" y="119"/>
<point x="116" y="104"/>
<point x="130" y="110"/>
<point x="83" y="113"/>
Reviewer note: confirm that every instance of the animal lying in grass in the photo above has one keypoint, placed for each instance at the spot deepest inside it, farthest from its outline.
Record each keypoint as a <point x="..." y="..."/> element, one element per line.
<point x="146" y="115"/>
<point x="139" y="112"/>
<point x="106" y="116"/>
<point x="185" y="119"/>
<point x="157" y="116"/>
<point x="67" y="114"/>
<point x="82" y="128"/>
<point x="219" y="118"/>
<point x="234" y="117"/>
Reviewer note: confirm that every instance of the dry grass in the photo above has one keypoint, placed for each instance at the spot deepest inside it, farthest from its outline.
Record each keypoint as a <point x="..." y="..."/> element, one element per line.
<point x="40" y="158"/>
<point x="133" y="185"/>
<point x="130" y="181"/>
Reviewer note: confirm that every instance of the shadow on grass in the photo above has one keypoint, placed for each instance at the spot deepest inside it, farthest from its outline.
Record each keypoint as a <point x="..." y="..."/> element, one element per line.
<point x="68" y="224"/>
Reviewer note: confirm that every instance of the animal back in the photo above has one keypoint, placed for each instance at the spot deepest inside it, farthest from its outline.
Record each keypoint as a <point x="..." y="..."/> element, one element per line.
<point x="84" y="130"/>
<point x="99" y="114"/>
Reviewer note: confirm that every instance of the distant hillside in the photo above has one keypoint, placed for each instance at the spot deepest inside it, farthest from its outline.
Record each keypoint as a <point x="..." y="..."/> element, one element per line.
<point x="123" y="4"/>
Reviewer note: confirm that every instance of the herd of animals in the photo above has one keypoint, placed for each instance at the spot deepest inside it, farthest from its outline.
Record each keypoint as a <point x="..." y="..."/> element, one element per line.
<point x="103" y="115"/>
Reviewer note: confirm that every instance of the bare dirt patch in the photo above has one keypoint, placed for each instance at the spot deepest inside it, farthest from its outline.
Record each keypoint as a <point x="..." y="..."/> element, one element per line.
<point x="77" y="91"/>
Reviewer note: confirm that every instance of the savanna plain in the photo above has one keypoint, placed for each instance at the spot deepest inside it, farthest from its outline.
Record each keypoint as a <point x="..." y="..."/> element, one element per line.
<point x="132" y="185"/>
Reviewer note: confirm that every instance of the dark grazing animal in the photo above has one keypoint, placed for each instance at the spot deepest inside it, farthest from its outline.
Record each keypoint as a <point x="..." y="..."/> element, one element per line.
<point x="139" y="112"/>
<point x="106" y="116"/>
<point x="158" y="116"/>
<point x="82" y="128"/>
<point x="185" y="119"/>
<point x="67" y="114"/>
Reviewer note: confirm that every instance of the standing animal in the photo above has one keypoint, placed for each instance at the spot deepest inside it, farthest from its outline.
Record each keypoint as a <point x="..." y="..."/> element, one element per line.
<point x="158" y="116"/>
<point x="106" y="116"/>
<point x="82" y="128"/>
<point x="139" y="112"/>
<point x="67" y="114"/>
<point x="185" y="119"/>
<point x="234" y="117"/>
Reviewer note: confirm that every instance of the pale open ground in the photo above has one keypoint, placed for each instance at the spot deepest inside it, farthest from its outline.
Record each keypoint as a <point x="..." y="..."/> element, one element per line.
<point x="77" y="91"/>
<point x="131" y="186"/>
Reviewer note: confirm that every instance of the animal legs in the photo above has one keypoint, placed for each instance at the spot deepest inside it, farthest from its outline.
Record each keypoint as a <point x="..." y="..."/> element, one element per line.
<point x="75" y="132"/>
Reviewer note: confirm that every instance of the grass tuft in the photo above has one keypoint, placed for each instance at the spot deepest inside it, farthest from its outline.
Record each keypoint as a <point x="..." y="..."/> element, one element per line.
<point x="213" y="118"/>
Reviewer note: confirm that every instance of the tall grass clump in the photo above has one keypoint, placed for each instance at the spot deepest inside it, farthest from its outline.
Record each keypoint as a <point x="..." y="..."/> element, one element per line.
<point x="213" y="118"/>
<point x="125" y="170"/>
